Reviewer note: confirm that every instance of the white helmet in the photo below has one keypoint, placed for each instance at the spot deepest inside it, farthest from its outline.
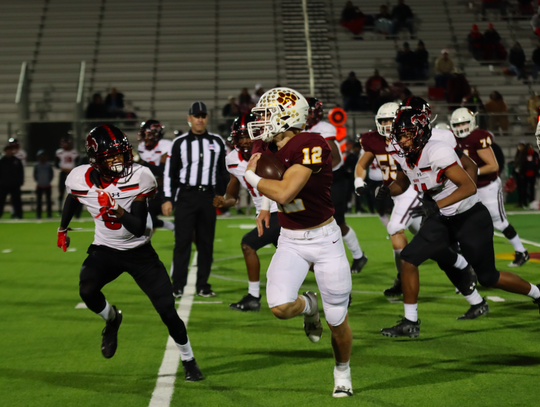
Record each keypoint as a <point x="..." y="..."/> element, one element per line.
<point x="278" y="110"/>
<point x="463" y="115"/>
<point x="385" y="112"/>
<point x="442" y="126"/>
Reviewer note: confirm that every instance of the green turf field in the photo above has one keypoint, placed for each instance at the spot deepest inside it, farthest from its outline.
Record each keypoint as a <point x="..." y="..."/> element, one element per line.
<point x="51" y="350"/>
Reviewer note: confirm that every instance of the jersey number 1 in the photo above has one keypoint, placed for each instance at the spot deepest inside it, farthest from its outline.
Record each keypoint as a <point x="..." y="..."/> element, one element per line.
<point x="313" y="156"/>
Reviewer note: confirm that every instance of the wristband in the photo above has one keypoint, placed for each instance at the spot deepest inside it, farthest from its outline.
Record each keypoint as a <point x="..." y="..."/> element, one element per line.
<point x="358" y="182"/>
<point x="252" y="178"/>
<point x="266" y="203"/>
<point x="478" y="171"/>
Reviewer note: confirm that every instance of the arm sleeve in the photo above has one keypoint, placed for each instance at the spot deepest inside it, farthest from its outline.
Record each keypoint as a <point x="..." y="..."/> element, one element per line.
<point x="135" y="221"/>
<point x="70" y="206"/>
<point x="171" y="171"/>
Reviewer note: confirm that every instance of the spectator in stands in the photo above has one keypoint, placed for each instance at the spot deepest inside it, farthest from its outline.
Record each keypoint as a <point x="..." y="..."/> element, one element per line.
<point x="375" y="84"/>
<point x="96" y="109"/>
<point x="402" y="16"/>
<point x="444" y="67"/>
<point x="533" y="107"/>
<point x="244" y="100"/>
<point x="406" y="63"/>
<point x="473" y="102"/>
<point x="517" y="58"/>
<point x="351" y="90"/>
<point x="259" y="91"/>
<point x="17" y="150"/>
<point x="457" y="87"/>
<point x="115" y="103"/>
<point x="11" y="180"/>
<point x="497" y="112"/>
<point x="525" y="7"/>
<point x="383" y="21"/>
<point x="493" y="4"/>
<point x="230" y="112"/>
<point x="475" y="39"/>
<point x="352" y="18"/>
<point x="43" y="175"/>
<point x="422" y="61"/>
<point x="493" y="49"/>
<point x="536" y="61"/>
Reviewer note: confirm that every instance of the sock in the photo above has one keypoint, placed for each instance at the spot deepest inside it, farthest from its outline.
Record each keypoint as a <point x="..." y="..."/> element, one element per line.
<point x="168" y="225"/>
<point x="411" y="312"/>
<point x="342" y="367"/>
<point x="384" y="220"/>
<point x="352" y="243"/>
<point x="460" y="263"/>
<point x="475" y="298"/>
<point x="186" y="353"/>
<point x="518" y="246"/>
<point x="307" y="307"/>
<point x="253" y="288"/>
<point x="397" y="259"/>
<point x="105" y="314"/>
<point x="535" y="292"/>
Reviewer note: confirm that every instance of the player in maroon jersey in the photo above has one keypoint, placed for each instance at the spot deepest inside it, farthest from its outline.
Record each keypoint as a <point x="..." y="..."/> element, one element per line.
<point x="476" y="143"/>
<point x="309" y="234"/>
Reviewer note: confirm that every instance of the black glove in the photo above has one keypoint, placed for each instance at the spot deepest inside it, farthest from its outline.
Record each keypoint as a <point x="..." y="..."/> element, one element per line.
<point x="426" y="208"/>
<point x="382" y="192"/>
<point x="360" y="187"/>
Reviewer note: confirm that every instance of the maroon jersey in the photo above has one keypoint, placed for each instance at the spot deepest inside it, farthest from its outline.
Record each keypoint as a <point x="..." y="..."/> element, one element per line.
<point x="376" y="144"/>
<point x="313" y="205"/>
<point x="478" y="140"/>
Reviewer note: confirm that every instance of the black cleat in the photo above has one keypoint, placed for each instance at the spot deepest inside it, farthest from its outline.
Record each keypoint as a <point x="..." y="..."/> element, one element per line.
<point x="248" y="303"/>
<point x="520" y="259"/>
<point x="476" y="311"/>
<point x="358" y="264"/>
<point x="178" y="293"/>
<point x="109" y="342"/>
<point x="192" y="371"/>
<point x="404" y="328"/>
<point x="395" y="290"/>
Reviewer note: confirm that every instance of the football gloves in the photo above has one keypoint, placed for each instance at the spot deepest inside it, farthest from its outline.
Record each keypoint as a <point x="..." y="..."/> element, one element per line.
<point x="382" y="192"/>
<point x="107" y="203"/>
<point x="63" y="238"/>
<point x="426" y="208"/>
<point x="360" y="186"/>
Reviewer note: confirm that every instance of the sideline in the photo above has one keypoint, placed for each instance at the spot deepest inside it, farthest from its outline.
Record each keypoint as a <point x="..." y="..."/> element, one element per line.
<point x="163" y="392"/>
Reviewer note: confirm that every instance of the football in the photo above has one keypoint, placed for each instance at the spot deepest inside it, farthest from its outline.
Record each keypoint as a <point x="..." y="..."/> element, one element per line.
<point x="270" y="167"/>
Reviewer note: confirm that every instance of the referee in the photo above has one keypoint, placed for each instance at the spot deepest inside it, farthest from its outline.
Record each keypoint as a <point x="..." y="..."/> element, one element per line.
<point x="194" y="167"/>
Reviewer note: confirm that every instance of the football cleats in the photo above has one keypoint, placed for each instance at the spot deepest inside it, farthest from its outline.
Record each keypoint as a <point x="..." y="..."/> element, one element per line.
<point x="315" y="112"/>
<point x="410" y="121"/>
<point x="151" y="131"/>
<point x="103" y="143"/>
<point x="463" y="115"/>
<point x="278" y="110"/>
<point x="240" y="135"/>
<point x="386" y="112"/>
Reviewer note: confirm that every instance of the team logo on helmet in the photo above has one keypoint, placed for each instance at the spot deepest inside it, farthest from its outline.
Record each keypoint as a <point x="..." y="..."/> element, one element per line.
<point x="91" y="143"/>
<point x="420" y="119"/>
<point x="287" y="99"/>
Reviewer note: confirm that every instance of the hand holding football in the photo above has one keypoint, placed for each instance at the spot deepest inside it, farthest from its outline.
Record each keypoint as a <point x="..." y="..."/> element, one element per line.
<point x="270" y="167"/>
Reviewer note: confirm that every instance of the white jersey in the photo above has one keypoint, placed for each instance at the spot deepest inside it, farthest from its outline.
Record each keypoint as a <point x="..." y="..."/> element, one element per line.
<point x="67" y="158"/>
<point x="444" y="135"/>
<point x="329" y="133"/>
<point x="108" y="231"/>
<point x="236" y="165"/>
<point x="428" y="175"/>
<point x="154" y="155"/>
<point x="21" y="155"/>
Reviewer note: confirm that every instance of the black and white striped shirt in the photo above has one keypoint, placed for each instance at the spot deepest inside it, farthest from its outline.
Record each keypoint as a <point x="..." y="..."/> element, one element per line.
<point x="195" y="160"/>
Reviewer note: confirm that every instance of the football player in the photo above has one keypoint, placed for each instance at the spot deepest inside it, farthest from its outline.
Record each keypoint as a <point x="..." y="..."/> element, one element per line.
<point x="339" y="190"/>
<point x="115" y="192"/>
<point x="236" y="162"/>
<point x="309" y="234"/>
<point x="66" y="159"/>
<point x="476" y="143"/>
<point x="153" y="150"/>
<point x="452" y="212"/>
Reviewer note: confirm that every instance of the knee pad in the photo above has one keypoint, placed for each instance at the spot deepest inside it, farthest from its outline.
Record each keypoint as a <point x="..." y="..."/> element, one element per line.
<point x="393" y="227"/>
<point x="335" y="313"/>
<point x="488" y="279"/>
<point x="509" y="232"/>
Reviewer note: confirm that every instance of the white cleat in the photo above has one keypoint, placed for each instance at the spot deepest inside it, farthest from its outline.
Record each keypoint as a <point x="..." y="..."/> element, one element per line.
<point x="342" y="384"/>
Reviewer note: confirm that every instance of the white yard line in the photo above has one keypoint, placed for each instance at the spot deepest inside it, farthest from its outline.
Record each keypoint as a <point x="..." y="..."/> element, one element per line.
<point x="163" y="392"/>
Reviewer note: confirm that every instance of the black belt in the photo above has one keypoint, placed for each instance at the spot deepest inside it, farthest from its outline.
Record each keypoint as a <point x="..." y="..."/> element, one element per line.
<point x="196" y="188"/>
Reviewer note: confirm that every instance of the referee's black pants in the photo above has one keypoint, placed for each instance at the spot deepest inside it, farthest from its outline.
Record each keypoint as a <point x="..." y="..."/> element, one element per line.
<point x="194" y="212"/>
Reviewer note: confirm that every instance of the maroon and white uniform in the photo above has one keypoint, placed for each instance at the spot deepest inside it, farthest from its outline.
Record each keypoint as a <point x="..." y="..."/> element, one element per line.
<point x="236" y="165"/>
<point x="108" y="231"/>
<point x="489" y="185"/>
<point x="298" y="248"/>
<point x="400" y="218"/>
<point x="153" y="156"/>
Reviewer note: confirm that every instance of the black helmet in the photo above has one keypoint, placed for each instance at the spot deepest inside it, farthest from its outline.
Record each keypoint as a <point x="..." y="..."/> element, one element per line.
<point x="411" y="120"/>
<point x="239" y="129"/>
<point x="151" y="130"/>
<point x="104" y="142"/>
<point x="415" y="102"/>
<point x="315" y="112"/>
